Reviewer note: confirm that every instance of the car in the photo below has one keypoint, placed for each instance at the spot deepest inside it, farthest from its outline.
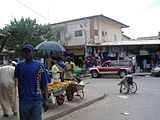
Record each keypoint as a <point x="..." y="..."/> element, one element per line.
<point x="156" y="71"/>
<point x="114" y="67"/>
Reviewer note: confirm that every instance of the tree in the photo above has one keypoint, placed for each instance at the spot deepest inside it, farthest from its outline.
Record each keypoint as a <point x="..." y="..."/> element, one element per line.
<point x="3" y="41"/>
<point x="27" y="31"/>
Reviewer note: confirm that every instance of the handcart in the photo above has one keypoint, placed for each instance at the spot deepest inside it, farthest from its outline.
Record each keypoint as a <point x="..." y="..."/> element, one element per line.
<point x="75" y="88"/>
<point x="59" y="94"/>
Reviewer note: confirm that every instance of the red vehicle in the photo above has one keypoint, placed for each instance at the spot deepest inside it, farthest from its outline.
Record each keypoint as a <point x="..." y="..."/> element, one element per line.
<point x="119" y="67"/>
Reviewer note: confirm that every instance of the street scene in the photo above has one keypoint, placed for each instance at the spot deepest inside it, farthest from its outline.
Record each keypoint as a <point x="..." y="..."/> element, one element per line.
<point x="142" y="105"/>
<point x="82" y="60"/>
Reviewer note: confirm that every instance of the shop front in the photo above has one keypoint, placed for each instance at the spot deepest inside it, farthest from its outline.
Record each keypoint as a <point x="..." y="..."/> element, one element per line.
<point x="145" y="52"/>
<point x="77" y="53"/>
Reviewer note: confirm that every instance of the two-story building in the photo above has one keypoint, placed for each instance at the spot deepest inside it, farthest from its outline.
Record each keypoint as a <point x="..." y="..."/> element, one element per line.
<point x="102" y="36"/>
<point x="81" y="36"/>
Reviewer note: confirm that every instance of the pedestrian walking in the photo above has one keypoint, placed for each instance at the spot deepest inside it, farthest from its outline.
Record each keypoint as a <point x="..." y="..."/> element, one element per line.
<point x="32" y="79"/>
<point x="8" y="89"/>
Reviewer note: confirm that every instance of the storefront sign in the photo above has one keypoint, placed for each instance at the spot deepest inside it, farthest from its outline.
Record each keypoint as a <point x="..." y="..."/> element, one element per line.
<point x="143" y="52"/>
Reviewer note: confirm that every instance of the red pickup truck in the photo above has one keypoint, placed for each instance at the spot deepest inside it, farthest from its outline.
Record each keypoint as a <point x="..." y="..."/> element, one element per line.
<point x="119" y="67"/>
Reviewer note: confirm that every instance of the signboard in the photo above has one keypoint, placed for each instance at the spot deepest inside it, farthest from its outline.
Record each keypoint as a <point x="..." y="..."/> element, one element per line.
<point x="143" y="52"/>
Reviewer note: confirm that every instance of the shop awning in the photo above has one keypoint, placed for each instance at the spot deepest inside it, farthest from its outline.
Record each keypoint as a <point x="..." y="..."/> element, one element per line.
<point x="128" y="42"/>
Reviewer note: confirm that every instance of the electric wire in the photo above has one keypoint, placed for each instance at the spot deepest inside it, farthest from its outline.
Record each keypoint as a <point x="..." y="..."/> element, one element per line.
<point x="32" y="10"/>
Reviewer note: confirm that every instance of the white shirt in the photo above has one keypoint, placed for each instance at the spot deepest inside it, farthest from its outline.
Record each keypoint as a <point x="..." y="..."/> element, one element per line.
<point x="7" y="75"/>
<point x="55" y="73"/>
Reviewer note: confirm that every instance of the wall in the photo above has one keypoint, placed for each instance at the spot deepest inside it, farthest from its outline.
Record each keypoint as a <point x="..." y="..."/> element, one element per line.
<point x="112" y="30"/>
<point x="70" y="28"/>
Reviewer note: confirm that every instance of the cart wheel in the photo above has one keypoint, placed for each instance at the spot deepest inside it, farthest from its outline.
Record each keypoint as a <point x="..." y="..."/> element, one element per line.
<point x="70" y="96"/>
<point x="60" y="99"/>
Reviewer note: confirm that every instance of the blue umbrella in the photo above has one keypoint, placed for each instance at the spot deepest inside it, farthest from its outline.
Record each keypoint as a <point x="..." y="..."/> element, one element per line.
<point x="55" y="47"/>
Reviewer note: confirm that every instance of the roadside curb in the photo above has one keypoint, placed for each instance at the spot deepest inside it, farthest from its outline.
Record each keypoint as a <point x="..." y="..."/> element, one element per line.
<point x="141" y="74"/>
<point x="70" y="110"/>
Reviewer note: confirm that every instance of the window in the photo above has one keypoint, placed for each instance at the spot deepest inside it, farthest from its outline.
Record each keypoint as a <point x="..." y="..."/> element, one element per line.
<point x="114" y="63"/>
<point x="105" y="64"/>
<point x="115" y="37"/>
<point x="78" y="33"/>
<point x="96" y="32"/>
<point x="124" y="63"/>
<point x="104" y="33"/>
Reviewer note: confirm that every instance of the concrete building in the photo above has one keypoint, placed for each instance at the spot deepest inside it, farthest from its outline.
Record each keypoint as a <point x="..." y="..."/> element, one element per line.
<point x="103" y="37"/>
<point x="78" y="34"/>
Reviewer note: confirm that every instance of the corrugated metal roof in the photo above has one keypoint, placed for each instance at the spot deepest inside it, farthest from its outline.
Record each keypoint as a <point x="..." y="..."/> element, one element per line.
<point x="128" y="42"/>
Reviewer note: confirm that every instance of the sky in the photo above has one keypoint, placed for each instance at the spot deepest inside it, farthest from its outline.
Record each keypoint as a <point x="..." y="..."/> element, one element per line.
<point x="142" y="16"/>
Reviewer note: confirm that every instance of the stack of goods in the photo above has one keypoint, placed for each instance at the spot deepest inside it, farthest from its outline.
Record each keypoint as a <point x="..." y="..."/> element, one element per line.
<point x="73" y="82"/>
<point x="57" y="84"/>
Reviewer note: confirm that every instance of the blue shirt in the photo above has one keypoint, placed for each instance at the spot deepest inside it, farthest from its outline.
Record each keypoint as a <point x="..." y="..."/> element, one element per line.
<point x="31" y="77"/>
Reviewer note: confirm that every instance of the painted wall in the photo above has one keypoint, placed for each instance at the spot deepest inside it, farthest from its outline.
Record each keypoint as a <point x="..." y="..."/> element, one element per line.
<point x="70" y="28"/>
<point x="111" y="29"/>
<point x="108" y="30"/>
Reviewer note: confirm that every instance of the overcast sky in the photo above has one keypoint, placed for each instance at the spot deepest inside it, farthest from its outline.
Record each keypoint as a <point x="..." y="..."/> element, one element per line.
<point x="143" y="16"/>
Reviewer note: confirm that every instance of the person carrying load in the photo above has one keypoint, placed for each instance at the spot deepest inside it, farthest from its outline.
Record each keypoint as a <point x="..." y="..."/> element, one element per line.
<point x="61" y="67"/>
<point x="70" y="66"/>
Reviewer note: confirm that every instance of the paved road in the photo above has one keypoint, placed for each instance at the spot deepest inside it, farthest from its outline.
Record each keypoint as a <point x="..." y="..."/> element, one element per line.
<point x="144" y="105"/>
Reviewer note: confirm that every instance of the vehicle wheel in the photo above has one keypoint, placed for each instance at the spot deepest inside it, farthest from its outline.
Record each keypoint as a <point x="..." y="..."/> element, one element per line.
<point x="70" y="96"/>
<point x="60" y="99"/>
<point x="95" y="74"/>
<point x="124" y="89"/>
<point x="122" y="73"/>
<point x="133" y="87"/>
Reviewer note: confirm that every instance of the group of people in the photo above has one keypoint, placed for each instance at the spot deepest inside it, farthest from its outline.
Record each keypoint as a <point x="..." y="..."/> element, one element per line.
<point x="63" y="70"/>
<point x="91" y="61"/>
<point x="31" y="78"/>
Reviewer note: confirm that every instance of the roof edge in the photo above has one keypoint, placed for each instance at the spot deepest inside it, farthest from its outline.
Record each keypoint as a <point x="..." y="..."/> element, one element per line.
<point x="101" y="15"/>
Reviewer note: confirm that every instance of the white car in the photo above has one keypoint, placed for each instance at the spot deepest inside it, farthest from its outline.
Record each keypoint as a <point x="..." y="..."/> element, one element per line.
<point x="156" y="71"/>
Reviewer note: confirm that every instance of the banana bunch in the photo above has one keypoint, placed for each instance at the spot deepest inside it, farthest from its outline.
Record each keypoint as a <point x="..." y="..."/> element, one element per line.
<point x="73" y="82"/>
<point x="57" y="84"/>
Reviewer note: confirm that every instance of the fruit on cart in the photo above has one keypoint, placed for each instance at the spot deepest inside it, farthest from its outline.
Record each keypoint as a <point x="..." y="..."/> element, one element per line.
<point x="56" y="85"/>
<point x="73" y="82"/>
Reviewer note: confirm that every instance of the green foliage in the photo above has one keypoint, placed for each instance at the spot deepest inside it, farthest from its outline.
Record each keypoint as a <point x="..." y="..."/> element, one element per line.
<point x="27" y="31"/>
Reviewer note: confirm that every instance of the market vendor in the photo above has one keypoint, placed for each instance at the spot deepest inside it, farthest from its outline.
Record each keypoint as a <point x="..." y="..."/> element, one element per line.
<point x="70" y="66"/>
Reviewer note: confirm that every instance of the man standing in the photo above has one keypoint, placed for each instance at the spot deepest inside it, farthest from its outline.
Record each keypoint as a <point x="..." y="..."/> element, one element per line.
<point x="32" y="80"/>
<point x="144" y="65"/>
<point x="8" y="89"/>
<point x="70" y="66"/>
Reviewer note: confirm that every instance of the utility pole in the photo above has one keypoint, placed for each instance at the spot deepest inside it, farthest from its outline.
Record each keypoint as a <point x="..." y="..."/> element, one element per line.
<point x="84" y="29"/>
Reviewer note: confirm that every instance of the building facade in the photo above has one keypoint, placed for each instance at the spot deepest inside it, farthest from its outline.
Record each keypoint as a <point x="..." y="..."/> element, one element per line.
<point x="77" y="34"/>
<point x="100" y="36"/>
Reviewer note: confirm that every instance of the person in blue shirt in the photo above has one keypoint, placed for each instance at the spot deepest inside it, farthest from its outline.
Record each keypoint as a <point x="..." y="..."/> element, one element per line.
<point x="32" y="79"/>
<point x="144" y="65"/>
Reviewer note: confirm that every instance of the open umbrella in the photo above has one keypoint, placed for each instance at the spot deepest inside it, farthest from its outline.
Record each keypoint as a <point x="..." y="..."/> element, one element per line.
<point x="55" y="47"/>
